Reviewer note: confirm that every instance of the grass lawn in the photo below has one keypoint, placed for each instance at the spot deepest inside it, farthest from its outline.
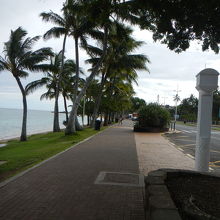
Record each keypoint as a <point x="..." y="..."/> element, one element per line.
<point x="22" y="155"/>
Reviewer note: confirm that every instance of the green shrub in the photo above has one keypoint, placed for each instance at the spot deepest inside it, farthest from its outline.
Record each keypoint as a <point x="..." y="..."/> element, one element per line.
<point x="154" y="116"/>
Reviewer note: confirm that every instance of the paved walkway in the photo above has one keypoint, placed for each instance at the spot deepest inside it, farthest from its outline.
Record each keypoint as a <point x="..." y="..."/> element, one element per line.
<point x="155" y="152"/>
<point x="65" y="187"/>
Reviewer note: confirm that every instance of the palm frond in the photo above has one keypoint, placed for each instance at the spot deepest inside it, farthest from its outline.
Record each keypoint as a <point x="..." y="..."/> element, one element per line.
<point x="47" y="95"/>
<point x="93" y="51"/>
<point x="33" y="86"/>
<point x="13" y="47"/>
<point x="28" y="43"/>
<point x="3" y="64"/>
<point x="32" y="59"/>
<point x="53" y="18"/>
<point x="55" y="32"/>
<point x="22" y="73"/>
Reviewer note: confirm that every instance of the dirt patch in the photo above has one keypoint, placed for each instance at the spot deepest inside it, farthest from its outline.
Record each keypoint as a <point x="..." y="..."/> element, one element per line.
<point x="196" y="196"/>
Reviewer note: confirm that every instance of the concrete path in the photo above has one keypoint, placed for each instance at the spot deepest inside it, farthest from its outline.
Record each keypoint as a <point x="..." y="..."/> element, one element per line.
<point x="93" y="181"/>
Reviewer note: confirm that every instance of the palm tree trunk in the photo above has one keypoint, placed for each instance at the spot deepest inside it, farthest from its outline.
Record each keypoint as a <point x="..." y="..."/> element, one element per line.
<point x="70" y="129"/>
<point x="77" y="68"/>
<point x="88" y="122"/>
<point x="65" y="107"/>
<point x="71" y="125"/>
<point x="106" y="119"/>
<point x="77" y="124"/>
<point x="23" y="136"/>
<point x="56" y="126"/>
<point x="98" y="100"/>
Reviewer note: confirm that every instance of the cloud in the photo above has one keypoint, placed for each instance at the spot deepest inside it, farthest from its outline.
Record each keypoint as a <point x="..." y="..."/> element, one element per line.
<point x="167" y="68"/>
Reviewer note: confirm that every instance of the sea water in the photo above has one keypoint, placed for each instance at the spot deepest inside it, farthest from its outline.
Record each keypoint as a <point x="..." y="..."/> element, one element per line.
<point x="37" y="122"/>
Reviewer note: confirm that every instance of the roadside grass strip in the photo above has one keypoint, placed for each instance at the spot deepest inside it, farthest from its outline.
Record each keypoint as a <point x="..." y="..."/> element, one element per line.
<point x="214" y="163"/>
<point x="180" y="139"/>
<point x="187" y="145"/>
<point x="20" y="156"/>
<point x="190" y="156"/>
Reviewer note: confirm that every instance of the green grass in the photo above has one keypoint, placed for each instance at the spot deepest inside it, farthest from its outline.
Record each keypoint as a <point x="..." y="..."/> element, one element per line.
<point x="22" y="155"/>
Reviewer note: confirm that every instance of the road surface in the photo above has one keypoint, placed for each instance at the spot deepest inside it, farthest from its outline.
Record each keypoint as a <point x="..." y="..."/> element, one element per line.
<point x="185" y="140"/>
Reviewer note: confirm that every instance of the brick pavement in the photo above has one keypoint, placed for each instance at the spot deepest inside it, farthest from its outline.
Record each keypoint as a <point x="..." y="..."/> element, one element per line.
<point x="155" y="152"/>
<point x="63" y="187"/>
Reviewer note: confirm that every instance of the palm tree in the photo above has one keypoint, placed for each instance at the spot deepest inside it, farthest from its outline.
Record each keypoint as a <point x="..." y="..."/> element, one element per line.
<point x="19" y="59"/>
<point x="94" y="14"/>
<point x="51" y="82"/>
<point x="119" y="60"/>
<point x="51" y="79"/>
<point x="68" y="82"/>
<point x="176" y="98"/>
<point x="62" y="28"/>
<point x="84" y="22"/>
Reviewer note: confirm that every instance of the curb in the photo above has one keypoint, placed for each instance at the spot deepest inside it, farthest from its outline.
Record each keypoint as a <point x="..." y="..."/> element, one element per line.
<point x="11" y="179"/>
<point x="160" y="205"/>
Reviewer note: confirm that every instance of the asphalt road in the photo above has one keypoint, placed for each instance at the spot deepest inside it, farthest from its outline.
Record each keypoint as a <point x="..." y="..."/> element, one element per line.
<point x="185" y="140"/>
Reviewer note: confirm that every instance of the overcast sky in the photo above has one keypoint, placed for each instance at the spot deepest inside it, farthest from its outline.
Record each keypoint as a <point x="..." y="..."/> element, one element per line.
<point x="167" y="69"/>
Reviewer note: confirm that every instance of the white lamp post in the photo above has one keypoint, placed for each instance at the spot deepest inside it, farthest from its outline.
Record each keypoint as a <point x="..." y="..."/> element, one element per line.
<point x="207" y="82"/>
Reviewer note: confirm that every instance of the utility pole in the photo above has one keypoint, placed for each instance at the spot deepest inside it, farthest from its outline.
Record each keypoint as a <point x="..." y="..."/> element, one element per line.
<point x="176" y="101"/>
<point x="158" y="99"/>
<point x="164" y="99"/>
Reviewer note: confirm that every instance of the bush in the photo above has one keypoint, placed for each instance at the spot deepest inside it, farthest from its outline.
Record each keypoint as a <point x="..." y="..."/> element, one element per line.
<point x="153" y="116"/>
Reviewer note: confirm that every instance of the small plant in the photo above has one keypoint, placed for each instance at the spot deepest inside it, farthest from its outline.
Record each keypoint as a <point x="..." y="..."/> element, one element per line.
<point x="153" y="116"/>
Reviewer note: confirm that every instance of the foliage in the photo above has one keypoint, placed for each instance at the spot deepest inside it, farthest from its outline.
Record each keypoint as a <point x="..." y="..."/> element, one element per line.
<point x="136" y="104"/>
<point x="188" y="108"/>
<point x="153" y="115"/>
<point x="178" y="22"/>
<point x="216" y="105"/>
<point x="19" y="60"/>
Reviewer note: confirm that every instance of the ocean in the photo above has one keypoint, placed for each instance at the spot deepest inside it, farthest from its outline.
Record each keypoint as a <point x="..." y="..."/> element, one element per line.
<point x="37" y="122"/>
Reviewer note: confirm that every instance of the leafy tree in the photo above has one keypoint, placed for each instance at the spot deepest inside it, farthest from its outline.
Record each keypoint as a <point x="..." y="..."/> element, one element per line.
<point x="137" y="103"/>
<point x="188" y="108"/>
<point x="19" y="59"/>
<point x="153" y="115"/>
<point x="216" y="105"/>
<point x="176" y="22"/>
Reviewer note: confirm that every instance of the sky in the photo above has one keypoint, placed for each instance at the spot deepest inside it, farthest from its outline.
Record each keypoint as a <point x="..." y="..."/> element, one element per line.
<point x="168" y="70"/>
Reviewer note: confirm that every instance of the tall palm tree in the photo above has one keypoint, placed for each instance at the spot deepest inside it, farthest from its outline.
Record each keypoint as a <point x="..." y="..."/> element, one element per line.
<point x="62" y="28"/>
<point x="51" y="80"/>
<point x="119" y="60"/>
<point x="84" y="20"/>
<point x="97" y="14"/>
<point x="19" y="59"/>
